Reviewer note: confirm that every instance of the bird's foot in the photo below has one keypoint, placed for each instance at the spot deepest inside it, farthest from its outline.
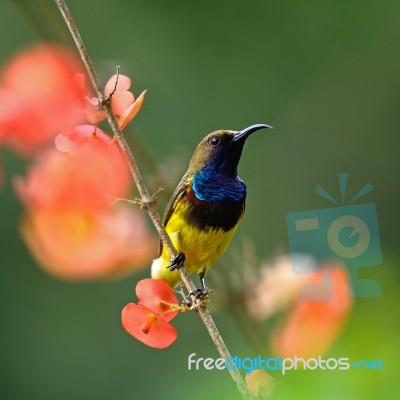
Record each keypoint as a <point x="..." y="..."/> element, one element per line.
<point x="177" y="261"/>
<point x="201" y="293"/>
<point x="197" y="299"/>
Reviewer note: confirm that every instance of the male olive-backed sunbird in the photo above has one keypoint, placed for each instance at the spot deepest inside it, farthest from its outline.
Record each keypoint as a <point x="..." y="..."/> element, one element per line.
<point x="206" y="207"/>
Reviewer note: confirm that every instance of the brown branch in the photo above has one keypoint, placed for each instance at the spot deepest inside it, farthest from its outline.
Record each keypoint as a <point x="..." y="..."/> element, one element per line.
<point x="146" y="198"/>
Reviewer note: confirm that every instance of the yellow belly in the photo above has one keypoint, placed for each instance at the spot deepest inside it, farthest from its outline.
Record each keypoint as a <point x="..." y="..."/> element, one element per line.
<point x="202" y="248"/>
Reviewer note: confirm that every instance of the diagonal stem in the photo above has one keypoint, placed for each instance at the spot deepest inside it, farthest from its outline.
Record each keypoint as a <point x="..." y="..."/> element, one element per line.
<point x="146" y="197"/>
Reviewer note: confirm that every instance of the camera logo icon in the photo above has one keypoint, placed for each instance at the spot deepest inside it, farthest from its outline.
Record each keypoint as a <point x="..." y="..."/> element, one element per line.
<point x="348" y="233"/>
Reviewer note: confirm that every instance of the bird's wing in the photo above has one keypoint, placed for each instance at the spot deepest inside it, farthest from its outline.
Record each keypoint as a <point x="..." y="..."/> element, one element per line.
<point x="173" y="201"/>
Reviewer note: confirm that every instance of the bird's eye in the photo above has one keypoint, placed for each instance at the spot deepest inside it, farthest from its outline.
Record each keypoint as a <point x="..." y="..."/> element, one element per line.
<point x="215" y="141"/>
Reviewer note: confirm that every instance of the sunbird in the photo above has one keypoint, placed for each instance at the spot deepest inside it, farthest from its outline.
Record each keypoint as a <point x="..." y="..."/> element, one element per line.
<point x="206" y="207"/>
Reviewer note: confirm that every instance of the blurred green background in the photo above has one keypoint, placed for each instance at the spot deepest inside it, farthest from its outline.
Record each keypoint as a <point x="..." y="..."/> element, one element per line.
<point x="326" y="75"/>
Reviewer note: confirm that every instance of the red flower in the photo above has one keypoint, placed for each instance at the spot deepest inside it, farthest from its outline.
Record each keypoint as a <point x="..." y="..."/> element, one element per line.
<point x="157" y="295"/>
<point x="39" y="97"/>
<point x="73" y="226"/>
<point x="147" y="326"/>
<point x="147" y="321"/>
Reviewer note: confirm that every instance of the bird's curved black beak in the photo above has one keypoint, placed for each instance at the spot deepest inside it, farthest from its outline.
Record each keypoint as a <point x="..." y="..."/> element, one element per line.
<point x="245" y="133"/>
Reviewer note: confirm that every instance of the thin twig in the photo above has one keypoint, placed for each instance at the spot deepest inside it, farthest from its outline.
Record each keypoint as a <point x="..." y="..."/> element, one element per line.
<point x="146" y="198"/>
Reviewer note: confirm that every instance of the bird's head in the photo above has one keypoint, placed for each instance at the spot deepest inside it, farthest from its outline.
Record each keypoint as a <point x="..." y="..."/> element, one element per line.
<point x="220" y="151"/>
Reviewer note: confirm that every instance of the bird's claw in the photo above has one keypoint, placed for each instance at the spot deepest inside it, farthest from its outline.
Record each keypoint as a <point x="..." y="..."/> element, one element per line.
<point x="201" y="293"/>
<point x="177" y="261"/>
<point x="199" y="298"/>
